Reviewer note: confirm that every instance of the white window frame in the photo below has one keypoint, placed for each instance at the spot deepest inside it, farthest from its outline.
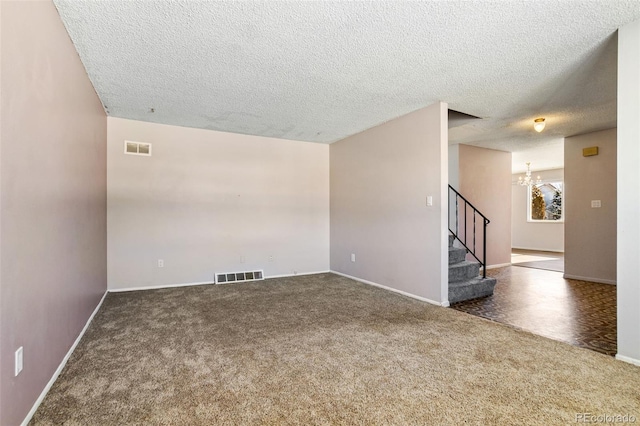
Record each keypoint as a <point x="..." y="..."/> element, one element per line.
<point x="530" y="189"/>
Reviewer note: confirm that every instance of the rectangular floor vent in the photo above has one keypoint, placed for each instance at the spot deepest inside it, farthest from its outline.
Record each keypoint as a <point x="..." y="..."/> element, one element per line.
<point x="235" y="277"/>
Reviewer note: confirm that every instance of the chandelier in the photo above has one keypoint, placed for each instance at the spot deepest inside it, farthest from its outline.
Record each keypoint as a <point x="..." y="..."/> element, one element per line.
<point x="528" y="180"/>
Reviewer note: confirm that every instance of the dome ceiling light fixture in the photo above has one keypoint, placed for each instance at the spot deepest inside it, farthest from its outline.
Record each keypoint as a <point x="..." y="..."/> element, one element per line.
<point x="538" y="124"/>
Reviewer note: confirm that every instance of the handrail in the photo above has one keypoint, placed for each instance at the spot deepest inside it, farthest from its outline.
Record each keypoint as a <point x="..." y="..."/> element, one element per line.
<point x="485" y="222"/>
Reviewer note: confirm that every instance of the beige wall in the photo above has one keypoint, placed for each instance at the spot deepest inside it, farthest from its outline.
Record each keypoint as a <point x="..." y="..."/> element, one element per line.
<point x="53" y="201"/>
<point x="380" y="179"/>
<point x="454" y="166"/>
<point x="547" y="236"/>
<point x="628" y="267"/>
<point x="208" y="202"/>
<point x="485" y="181"/>
<point x="590" y="233"/>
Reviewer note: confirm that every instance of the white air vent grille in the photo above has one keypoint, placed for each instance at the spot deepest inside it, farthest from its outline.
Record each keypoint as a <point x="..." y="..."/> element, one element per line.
<point x="236" y="277"/>
<point x="137" y="148"/>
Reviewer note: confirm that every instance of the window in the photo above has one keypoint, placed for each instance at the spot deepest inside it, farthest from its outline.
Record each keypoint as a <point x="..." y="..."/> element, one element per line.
<point x="546" y="202"/>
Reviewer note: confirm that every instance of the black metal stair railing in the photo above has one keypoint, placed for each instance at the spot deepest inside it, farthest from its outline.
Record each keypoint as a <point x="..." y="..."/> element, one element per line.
<point x="462" y="237"/>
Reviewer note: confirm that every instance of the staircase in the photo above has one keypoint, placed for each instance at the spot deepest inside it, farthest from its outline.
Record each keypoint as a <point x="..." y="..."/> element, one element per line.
<point x="465" y="282"/>
<point x="468" y="227"/>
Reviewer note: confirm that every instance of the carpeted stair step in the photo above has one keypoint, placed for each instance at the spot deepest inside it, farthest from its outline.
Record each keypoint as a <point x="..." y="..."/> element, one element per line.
<point x="463" y="271"/>
<point x="471" y="289"/>
<point x="456" y="255"/>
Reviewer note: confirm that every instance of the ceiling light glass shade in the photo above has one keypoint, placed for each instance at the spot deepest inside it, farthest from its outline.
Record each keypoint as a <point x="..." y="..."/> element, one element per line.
<point x="538" y="124"/>
<point x="528" y="180"/>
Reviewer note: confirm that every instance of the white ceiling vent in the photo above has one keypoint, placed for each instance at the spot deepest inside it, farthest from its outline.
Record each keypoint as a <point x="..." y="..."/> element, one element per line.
<point x="137" y="148"/>
<point x="234" y="277"/>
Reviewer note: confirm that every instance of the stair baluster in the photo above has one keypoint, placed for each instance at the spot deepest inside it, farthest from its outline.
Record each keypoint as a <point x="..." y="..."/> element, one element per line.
<point x="465" y="283"/>
<point x="455" y="232"/>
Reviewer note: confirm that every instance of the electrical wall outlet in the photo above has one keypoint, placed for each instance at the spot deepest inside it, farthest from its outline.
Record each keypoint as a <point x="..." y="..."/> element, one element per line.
<point x="353" y="257"/>
<point x="596" y="204"/>
<point x="241" y="259"/>
<point x="19" y="360"/>
<point x="270" y="258"/>
<point x="160" y="263"/>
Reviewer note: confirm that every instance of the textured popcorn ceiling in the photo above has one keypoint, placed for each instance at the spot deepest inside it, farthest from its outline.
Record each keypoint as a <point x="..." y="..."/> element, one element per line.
<point x="321" y="71"/>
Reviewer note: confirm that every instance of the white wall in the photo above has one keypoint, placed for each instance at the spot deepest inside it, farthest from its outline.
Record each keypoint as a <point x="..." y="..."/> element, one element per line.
<point x="380" y="180"/>
<point x="628" y="231"/>
<point x="547" y="236"/>
<point x="209" y="202"/>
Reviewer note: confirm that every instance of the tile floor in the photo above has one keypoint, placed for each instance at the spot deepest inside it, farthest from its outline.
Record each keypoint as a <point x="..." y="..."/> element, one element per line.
<point x="552" y="261"/>
<point x="543" y="302"/>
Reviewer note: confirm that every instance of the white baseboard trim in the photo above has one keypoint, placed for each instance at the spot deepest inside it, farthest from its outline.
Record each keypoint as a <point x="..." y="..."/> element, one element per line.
<point x="538" y="249"/>
<point x="46" y="389"/>
<point x="404" y="293"/>
<point x="498" y="265"/>
<point x="155" y="287"/>
<point x="296" y="274"/>
<point x="628" y="359"/>
<point x="593" y="280"/>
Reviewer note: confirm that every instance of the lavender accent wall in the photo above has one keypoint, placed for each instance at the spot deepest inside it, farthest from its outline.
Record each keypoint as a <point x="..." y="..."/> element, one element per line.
<point x="52" y="201"/>
<point x="380" y="180"/>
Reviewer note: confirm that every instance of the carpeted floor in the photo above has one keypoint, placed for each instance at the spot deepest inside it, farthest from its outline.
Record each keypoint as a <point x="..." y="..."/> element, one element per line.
<point x="321" y="350"/>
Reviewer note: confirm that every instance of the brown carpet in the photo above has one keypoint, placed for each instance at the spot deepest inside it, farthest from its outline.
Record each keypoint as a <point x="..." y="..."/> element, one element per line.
<point x="321" y="350"/>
